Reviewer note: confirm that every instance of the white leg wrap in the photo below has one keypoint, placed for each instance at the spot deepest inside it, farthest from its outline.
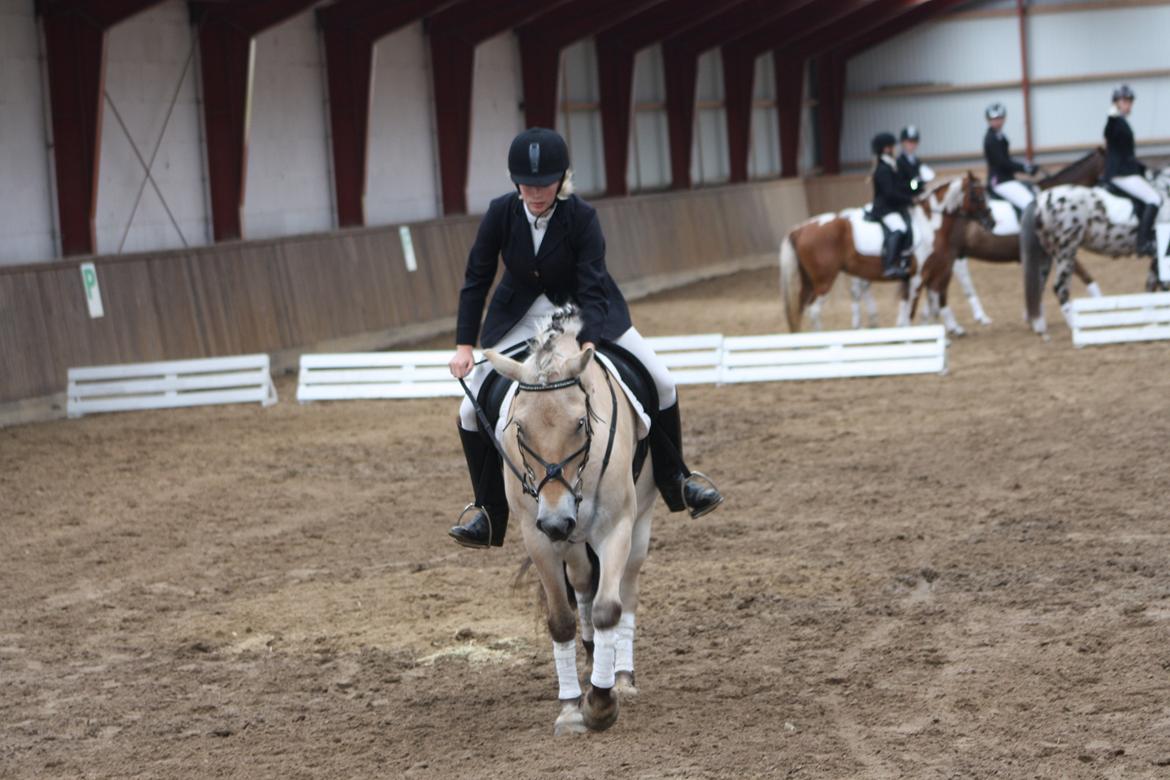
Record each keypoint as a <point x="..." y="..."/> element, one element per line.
<point x="870" y="304"/>
<point x="856" y="308"/>
<point x="962" y="272"/>
<point x="603" y="658"/>
<point x="950" y="323"/>
<point x="903" y="314"/>
<point x="624" y="649"/>
<point x="1094" y="290"/>
<point x="565" y="655"/>
<point x="585" y="615"/>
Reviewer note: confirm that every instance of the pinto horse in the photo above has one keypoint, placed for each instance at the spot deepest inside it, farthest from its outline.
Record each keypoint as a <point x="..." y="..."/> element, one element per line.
<point x="816" y="251"/>
<point x="584" y="519"/>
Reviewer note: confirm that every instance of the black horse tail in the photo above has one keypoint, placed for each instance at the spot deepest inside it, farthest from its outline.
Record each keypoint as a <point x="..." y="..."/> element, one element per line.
<point x="1035" y="261"/>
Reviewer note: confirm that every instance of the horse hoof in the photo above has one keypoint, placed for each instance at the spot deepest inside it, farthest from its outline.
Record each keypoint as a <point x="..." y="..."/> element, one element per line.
<point x="958" y="332"/>
<point x="599" y="709"/>
<point x="570" y="721"/>
<point x="984" y="320"/>
<point x="624" y="684"/>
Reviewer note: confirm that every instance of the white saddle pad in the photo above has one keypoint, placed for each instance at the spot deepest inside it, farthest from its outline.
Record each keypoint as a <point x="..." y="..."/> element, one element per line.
<point x="1119" y="210"/>
<point x="1007" y="222"/>
<point x="639" y="412"/>
<point x="867" y="236"/>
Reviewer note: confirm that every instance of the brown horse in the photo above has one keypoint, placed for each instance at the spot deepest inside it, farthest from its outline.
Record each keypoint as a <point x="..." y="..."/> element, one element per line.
<point x="982" y="243"/>
<point x="816" y="251"/>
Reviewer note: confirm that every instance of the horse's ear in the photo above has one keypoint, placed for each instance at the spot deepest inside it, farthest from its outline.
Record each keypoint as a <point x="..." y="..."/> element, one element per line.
<point x="575" y="365"/>
<point x="506" y="366"/>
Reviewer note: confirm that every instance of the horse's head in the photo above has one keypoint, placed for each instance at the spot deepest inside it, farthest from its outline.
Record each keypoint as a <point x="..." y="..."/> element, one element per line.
<point x="552" y="421"/>
<point x="967" y="197"/>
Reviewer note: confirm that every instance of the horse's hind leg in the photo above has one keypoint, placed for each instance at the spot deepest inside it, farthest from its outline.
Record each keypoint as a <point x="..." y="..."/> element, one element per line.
<point x="814" y="312"/>
<point x="861" y="292"/>
<point x="1091" y="287"/>
<point x="624" y="648"/>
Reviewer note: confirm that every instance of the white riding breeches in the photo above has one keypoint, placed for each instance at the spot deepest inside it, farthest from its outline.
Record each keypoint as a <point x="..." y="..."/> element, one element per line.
<point x="1138" y="187"/>
<point x="631" y="341"/>
<point x="895" y="222"/>
<point x="1016" y="193"/>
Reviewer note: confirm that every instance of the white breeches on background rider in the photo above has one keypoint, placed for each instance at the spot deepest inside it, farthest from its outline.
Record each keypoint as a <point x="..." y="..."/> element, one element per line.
<point x="895" y="222"/>
<point x="631" y="341"/>
<point x="1138" y="187"/>
<point x="1016" y="193"/>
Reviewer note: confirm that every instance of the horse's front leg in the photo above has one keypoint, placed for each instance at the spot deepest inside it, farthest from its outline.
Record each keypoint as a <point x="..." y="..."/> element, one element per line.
<point x="962" y="272"/>
<point x="600" y="705"/>
<point x="639" y="548"/>
<point x="562" y="627"/>
<point x="904" y="304"/>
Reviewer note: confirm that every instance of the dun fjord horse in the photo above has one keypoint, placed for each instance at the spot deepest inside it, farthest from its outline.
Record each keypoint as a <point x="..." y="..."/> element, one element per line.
<point x="816" y="251"/>
<point x="1069" y="217"/>
<point x="571" y="435"/>
<point x="1000" y="244"/>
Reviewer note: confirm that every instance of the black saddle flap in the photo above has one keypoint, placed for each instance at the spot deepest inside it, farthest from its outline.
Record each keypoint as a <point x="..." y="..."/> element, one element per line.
<point x="630" y="369"/>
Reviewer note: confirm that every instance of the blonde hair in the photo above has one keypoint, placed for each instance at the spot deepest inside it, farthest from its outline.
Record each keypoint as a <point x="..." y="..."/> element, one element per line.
<point x="567" y="187"/>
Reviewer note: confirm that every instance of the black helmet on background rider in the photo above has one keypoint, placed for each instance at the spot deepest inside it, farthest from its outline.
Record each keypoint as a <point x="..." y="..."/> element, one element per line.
<point x="1122" y="93"/>
<point x="909" y="133"/>
<point x="995" y="111"/>
<point x="538" y="157"/>
<point x="881" y="142"/>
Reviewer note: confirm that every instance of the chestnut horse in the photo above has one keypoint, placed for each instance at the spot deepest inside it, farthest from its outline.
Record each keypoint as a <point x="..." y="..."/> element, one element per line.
<point x="982" y="243"/>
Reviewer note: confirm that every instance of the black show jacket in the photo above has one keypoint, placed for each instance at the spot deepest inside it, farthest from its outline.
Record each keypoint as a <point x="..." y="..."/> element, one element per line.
<point x="1001" y="166"/>
<point x="891" y="192"/>
<point x="570" y="267"/>
<point x="1120" y="158"/>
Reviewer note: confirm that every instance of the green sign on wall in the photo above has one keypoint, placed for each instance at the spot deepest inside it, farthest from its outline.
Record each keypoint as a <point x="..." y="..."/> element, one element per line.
<point x="93" y="293"/>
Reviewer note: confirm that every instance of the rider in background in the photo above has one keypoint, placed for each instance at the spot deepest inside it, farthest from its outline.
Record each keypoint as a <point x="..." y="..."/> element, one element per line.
<point x="1125" y="171"/>
<point x="554" y="253"/>
<point x="1001" y="167"/>
<point x="892" y="199"/>
<point x="910" y="167"/>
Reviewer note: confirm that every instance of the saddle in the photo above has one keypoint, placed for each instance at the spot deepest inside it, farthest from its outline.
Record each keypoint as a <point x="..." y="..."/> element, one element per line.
<point x="1113" y="189"/>
<point x="907" y="238"/>
<point x="631" y="371"/>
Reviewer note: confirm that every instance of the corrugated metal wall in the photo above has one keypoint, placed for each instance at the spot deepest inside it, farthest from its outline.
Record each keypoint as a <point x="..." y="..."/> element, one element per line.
<point x="940" y="76"/>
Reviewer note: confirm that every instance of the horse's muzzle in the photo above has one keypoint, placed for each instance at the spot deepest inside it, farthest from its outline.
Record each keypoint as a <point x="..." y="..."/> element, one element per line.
<point x="556" y="528"/>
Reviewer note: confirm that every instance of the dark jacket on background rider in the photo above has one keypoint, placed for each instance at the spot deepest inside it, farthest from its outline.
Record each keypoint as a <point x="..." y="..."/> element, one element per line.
<point x="570" y="266"/>
<point x="1120" y="156"/>
<point x="1001" y="166"/>
<point x="891" y="192"/>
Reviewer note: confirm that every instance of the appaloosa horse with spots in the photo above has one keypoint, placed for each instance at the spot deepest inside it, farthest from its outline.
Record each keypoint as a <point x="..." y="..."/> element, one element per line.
<point x="1066" y="218"/>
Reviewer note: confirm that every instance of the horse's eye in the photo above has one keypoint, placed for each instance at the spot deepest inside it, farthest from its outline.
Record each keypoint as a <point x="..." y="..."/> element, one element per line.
<point x="581" y="423"/>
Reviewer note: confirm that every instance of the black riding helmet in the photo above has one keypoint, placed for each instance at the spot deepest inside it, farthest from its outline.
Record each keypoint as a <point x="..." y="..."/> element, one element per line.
<point x="538" y="157"/>
<point x="995" y="111"/>
<point x="909" y="133"/>
<point x="1122" y="93"/>
<point x="881" y="142"/>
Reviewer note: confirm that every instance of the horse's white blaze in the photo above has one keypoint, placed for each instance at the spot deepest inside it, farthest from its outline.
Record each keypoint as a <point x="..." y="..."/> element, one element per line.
<point x="605" y="641"/>
<point x="565" y="656"/>
<point x="624" y="648"/>
<point x="585" y="615"/>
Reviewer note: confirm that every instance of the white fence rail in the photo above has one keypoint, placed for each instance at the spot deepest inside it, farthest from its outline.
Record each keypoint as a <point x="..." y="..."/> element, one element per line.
<point x="366" y="375"/>
<point x="703" y="359"/>
<point x="170" y="384"/>
<point x="834" y="354"/>
<point x="1115" y="319"/>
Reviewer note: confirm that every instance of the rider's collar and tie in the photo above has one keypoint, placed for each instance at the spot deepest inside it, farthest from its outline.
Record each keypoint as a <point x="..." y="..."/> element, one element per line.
<point x="538" y="224"/>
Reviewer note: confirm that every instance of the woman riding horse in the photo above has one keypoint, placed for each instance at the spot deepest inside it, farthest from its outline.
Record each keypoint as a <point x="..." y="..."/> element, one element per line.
<point x="1125" y="171"/>
<point x="553" y="253"/>
<point x="1001" y="167"/>
<point x="892" y="197"/>
<point x="910" y="166"/>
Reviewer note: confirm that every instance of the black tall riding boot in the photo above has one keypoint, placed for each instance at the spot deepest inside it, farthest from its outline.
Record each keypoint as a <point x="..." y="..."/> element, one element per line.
<point x="1145" y="231"/>
<point x="678" y="487"/>
<point x="490" y="521"/>
<point x="891" y="251"/>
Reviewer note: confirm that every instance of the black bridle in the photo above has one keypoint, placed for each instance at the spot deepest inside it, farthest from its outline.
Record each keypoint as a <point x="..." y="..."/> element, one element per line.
<point x="554" y="471"/>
